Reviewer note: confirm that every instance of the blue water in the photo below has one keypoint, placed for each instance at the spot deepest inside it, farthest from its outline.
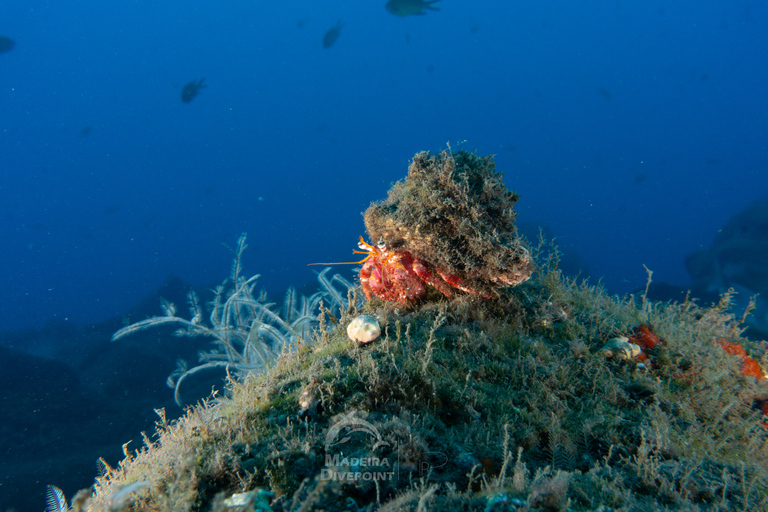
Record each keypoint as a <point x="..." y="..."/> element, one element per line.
<point x="634" y="130"/>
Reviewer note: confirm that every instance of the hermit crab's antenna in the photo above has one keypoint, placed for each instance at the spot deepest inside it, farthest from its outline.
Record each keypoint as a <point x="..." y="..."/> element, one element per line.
<point x="367" y="249"/>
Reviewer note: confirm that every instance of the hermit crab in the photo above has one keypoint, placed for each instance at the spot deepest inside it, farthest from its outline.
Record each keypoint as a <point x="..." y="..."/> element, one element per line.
<point x="448" y="225"/>
<point x="399" y="276"/>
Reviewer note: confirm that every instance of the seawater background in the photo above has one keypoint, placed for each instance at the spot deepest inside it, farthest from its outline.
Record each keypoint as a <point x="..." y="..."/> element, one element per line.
<point x="634" y="130"/>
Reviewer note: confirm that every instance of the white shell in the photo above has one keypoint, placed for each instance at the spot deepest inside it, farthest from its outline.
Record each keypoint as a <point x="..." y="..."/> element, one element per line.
<point x="364" y="329"/>
<point x="240" y="500"/>
<point x="621" y="348"/>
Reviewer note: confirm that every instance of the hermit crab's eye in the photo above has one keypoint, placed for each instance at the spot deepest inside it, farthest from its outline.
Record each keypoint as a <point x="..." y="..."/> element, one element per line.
<point x="364" y="246"/>
<point x="381" y="244"/>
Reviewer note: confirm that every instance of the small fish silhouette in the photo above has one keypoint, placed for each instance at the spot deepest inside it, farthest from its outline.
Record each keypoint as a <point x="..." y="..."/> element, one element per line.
<point x="192" y="89"/>
<point x="410" y="7"/>
<point x="330" y="37"/>
<point x="6" y="44"/>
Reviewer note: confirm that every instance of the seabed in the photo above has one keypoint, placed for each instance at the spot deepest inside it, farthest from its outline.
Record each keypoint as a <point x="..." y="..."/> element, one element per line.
<point x="550" y="396"/>
<point x="473" y="404"/>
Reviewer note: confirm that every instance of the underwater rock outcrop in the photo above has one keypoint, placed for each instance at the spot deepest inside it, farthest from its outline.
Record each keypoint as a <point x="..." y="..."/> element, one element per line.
<point x="737" y="260"/>
<point x="454" y="212"/>
<point x="494" y="406"/>
<point x="459" y="409"/>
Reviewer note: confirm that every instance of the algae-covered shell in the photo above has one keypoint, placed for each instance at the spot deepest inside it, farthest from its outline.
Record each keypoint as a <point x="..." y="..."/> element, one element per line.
<point x="454" y="212"/>
<point x="309" y="400"/>
<point x="364" y="329"/>
<point x="621" y="348"/>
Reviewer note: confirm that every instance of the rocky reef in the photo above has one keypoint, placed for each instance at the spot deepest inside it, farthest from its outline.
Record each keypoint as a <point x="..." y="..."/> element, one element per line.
<point x="736" y="260"/>
<point x="454" y="211"/>
<point x="553" y="397"/>
<point x="456" y="407"/>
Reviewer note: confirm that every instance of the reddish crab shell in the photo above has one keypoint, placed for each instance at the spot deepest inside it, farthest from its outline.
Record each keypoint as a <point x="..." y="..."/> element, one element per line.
<point x="399" y="276"/>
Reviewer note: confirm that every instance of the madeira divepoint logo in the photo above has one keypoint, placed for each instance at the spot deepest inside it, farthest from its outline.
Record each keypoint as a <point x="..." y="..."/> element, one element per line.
<point x="358" y="468"/>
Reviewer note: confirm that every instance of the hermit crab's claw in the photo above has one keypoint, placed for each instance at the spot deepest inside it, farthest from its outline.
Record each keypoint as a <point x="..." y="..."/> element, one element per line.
<point x="366" y="247"/>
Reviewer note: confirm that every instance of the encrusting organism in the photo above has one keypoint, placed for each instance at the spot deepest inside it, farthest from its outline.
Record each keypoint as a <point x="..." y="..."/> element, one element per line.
<point x="644" y="337"/>
<point x="647" y="340"/>
<point x="749" y="367"/>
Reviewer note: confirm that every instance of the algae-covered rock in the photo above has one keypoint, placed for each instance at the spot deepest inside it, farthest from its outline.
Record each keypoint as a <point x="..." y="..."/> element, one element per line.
<point x="453" y="211"/>
<point x="504" y="405"/>
<point x="621" y="348"/>
<point x="474" y="405"/>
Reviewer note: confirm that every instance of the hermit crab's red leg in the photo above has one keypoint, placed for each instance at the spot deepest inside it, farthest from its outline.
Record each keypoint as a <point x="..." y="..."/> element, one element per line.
<point x="365" y="275"/>
<point x="457" y="282"/>
<point x="424" y="273"/>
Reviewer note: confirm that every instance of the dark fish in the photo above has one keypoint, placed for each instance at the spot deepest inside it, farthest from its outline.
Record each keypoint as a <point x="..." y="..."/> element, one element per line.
<point x="191" y="90"/>
<point x="330" y="37"/>
<point x="6" y="44"/>
<point x="410" y="7"/>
